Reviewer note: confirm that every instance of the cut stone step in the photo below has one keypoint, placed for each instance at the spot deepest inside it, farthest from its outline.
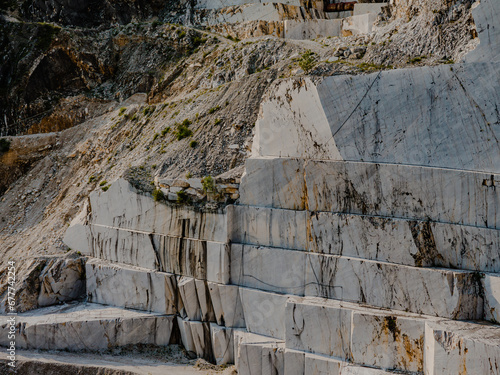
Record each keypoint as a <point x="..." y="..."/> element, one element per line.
<point x="400" y="241"/>
<point x="63" y="363"/>
<point x="131" y="287"/>
<point x="388" y="339"/>
<point x="438" y="292"/>
<point x="411" y="192"/>
<point x="87" y="326"/>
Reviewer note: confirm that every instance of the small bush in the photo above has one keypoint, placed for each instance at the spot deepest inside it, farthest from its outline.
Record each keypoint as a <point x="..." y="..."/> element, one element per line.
<point x="165" y="131"/>
<point x="214" y="109"/>
<point x="182" y="197"/>
<point x="4" y="145"/>
<point x="193" y="144"/>
<point x="105" y="188"/>
<point x="92" y="179"/>
<point x="103" y="183"/>
<point x="186" y="122"/>
<point x="158" y="195"/>
<point x="189" y="175"/>
<point x="217" y="121"/>
<point x="307" y="61"/>
<point x="122" y="111"/>
<point x="208" y="184"/>
<point x="155" y="136"/>
<point x="181" y="33"/>
<point x="183" y="132"/>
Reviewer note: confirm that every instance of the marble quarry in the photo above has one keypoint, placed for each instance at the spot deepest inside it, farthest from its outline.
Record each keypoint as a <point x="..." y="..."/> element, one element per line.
<point x="288" y="19"/>
<point x="365" y="241"/>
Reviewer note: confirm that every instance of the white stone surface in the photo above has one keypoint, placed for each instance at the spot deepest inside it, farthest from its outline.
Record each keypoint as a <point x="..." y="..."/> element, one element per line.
<point x="436" y="292"/>
<point x="295" y="362"/>
<point x="87" y="327"/>
<point x="189" y="296"/>
<point x="409" y="242"/>
<point x="186" y="335"/>
<point x="206" y="307"/>
<point x="403" y="191"/>
<point x="258" y="354"/>
<point x="396" y="116"/>
<point x="273" y="182"/>
<point x="131" y="287"/>
<point x="312" y="29"/>
<point x="491" y="288"/>
<point x="222" y="344"/>
<point x="200" y="332"/>
<point x="269" y="227"/>
<point x="461" y="348"/>
<point x="219" y="4"/>
<point x="358" y="24"/>
<point x="365" y="8"/>
<point x="318" y="365"/>
<point x="388" y="342"/>
<point x="264" y="312"/>
<point x="122" y="246"/>
<point x="269" y="269"/>
<point x="227" y="305"/>
<point x="218" y="262"/>
<point x="319" y="327"/>
<point x="292" y="123"/>
<point x="181" y="256"/>
<point x="123" y="207"/>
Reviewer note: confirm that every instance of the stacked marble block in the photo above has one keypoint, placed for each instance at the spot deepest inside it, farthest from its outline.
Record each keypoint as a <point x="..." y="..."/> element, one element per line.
<point x="410" y="251"/>
<point x="166" y="259"/>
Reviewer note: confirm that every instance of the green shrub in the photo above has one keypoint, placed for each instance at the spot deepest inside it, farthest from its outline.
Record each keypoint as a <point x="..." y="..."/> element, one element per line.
<point x="217" y="121"/>
<point x="214" y="109"/>
<point x="193" y="144"/>
<point x="122" y="111"/>
<point x="183" y="132"/>
<point x="208" y="184"/>
<point x="4" y="145"/>
<point x="105" y="188"/>
<point x="103" y="183"/>
<point x="307" y="61"/>
<point x="158" y="195"/>
<point x="155" y="136"/>
<point x="186" y="122"/>
<point x="182" y="197"/>
<point x="165" y="131"/>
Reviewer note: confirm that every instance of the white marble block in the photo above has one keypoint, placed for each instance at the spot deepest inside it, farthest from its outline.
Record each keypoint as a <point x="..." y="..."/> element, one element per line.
<point x="273" y="182"/>
<point x="402" y="191"/>
<point x="269" y="269"/>
<point x="87" y="327"/>
<point x="436" y="292"/>
<point x="189" y="296"/>
<point x="218" y="262"/>
<point x="491" y="289"/>
<point x="263" y="226"/>
<point x="227" y="305"/>
<point x="206" y="307"/>
<point x="131" y="287"/>
<point x="409" y="242"/>
<point x="312" y="29"/>
<point x="222" y="344"/>
<point x="316" y="364"/>
<point x="461" y="348"/>
<point x="123" y="246"/>
<point x="264" y="312"/>
<point x="317" y="327"/>
<point x="295" y="362"/>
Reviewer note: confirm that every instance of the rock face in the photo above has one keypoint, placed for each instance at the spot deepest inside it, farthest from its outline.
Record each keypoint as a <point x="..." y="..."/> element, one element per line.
<point x="364" y="240"/>
<point x="366" y="232"/>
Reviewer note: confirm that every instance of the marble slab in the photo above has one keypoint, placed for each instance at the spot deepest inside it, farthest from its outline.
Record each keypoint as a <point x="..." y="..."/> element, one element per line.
<point x="131" y="287"/>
